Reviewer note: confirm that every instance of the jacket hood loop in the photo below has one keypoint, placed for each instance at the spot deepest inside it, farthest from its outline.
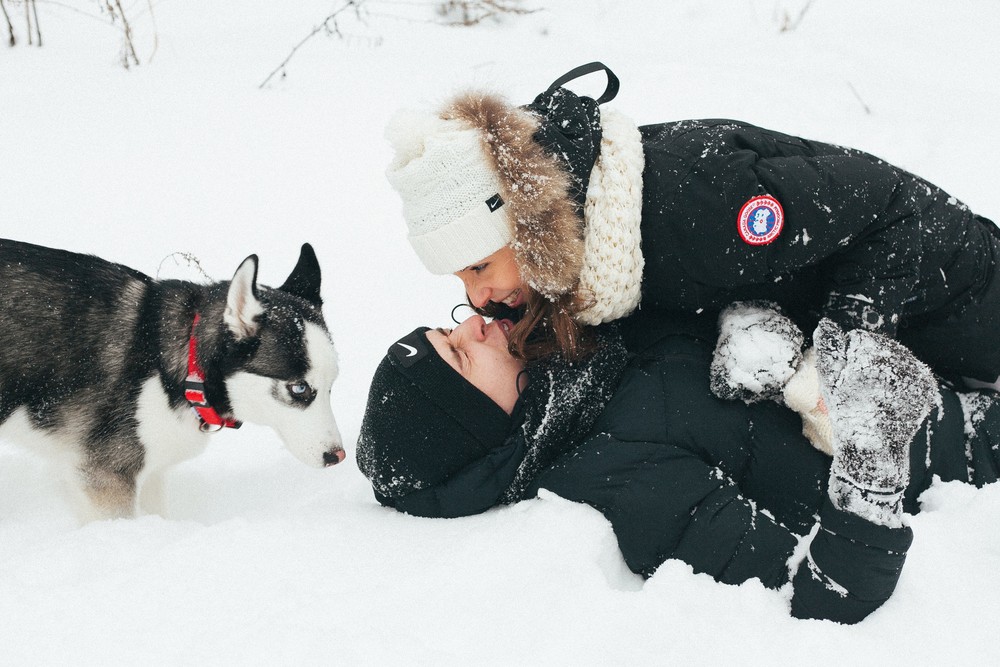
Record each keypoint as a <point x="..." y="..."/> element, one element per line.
<point x="610" y="92"/>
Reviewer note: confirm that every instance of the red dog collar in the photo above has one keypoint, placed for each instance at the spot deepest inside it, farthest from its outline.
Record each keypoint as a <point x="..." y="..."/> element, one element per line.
<point x="194" y="391"/>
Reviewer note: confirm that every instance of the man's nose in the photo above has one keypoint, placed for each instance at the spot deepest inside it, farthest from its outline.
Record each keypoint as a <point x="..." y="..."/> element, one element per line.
<point x="474" y="327"/>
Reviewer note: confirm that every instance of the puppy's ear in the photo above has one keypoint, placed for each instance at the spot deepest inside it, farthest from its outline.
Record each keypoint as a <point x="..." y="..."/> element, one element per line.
<point x="242" y="305"/>
<point x="304" y="279"/>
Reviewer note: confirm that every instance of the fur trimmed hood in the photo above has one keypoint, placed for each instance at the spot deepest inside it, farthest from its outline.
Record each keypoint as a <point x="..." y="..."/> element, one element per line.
<point x="548" y="231"/>
<point x="573" y="179"/>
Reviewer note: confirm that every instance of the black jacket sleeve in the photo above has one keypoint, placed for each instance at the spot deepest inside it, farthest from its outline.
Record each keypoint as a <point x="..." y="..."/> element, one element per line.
<point x="472" y="490"/>
<point x="665" y="502"/>
<point x="855" y="206"/>
<point x="851" y="569"/>
<point x="855" y="216"/>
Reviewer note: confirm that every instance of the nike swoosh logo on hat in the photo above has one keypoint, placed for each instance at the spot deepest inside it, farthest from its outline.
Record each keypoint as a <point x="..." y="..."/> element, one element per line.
<point x="412" y="350"/>
<point x="494" y="202"/>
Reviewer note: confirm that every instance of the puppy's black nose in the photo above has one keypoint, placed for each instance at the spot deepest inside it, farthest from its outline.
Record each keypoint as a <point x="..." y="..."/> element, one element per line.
<point x="334" y="457"/>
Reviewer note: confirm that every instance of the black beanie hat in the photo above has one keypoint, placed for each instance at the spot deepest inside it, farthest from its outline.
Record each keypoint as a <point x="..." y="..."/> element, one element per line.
<point x="424" y="421"/>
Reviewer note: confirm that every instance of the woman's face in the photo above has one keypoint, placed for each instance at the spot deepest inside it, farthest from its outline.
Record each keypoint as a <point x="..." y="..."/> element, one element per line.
<point x="496" y="279"/>
<point x="478" y="351"/>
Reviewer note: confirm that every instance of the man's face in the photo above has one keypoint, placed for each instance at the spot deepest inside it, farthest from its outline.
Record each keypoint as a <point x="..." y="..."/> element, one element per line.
<point x="478" y="351"/>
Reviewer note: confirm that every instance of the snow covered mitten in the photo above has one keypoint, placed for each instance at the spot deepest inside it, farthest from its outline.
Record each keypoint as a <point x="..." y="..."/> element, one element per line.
<point x="801" y="394"/>
<point x="758" y="350"/>
<point x="877" y="394"/>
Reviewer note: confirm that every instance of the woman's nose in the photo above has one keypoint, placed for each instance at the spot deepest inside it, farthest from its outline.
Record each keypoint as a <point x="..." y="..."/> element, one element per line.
<point x="479" y="297"/>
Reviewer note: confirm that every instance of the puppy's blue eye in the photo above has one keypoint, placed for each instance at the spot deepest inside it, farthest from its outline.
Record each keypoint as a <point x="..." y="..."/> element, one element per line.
<point x="301" y="392"/>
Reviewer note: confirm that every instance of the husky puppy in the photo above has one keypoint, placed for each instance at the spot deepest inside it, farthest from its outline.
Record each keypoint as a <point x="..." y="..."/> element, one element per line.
<point x="116" y="375"/>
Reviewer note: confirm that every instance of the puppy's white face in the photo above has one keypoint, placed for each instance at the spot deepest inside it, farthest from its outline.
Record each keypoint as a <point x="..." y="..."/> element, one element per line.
<point x="297" y="408"/>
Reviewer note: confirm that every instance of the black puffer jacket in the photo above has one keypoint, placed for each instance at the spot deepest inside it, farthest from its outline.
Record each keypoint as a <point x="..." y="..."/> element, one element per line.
<point x="726" y="487"/>
<point x="856" y="239"/>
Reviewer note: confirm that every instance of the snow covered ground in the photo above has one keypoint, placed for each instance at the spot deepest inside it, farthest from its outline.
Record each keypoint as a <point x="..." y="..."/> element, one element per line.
<point x="261" y="560"/>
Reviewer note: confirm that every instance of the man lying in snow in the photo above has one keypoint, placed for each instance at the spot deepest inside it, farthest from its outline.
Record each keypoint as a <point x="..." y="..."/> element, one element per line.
<point x="455" y="425"/>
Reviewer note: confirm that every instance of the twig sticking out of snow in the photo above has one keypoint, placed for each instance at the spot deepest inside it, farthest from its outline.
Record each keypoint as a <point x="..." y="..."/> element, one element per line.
<point x="329" y="24"/>
<point x="10" y="26"/>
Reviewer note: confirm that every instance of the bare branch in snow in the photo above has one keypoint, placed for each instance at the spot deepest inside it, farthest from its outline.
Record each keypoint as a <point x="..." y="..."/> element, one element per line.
<point x="156" y="33"/>
<point x="38" y="30"/>
<point x="868" y="111"/>
<point x="184" y="259"/>
<point x="10" y="26"/>
<point x="788" y="23"/>
<point x="451" y="12"/>
<point x="117" y="13"/>
<point x="27" y="20"/>
<point x="329" y="25"/>
<point x="471" y="12"/>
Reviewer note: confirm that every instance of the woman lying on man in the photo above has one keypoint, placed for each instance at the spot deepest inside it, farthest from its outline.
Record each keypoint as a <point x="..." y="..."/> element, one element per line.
<point x="456" y="425"/>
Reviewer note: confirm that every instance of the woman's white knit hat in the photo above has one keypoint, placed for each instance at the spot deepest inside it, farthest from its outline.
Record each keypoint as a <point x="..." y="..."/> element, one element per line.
<point x="473" y="179"/>
<point x="451" y="191"/>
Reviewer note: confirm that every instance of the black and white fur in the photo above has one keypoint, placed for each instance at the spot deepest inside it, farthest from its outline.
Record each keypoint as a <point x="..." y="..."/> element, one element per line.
<point x="94" y="355"/>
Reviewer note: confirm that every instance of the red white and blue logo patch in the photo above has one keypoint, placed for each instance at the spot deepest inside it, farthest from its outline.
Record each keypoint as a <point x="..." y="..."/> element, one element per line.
<point x="760" y="220"/>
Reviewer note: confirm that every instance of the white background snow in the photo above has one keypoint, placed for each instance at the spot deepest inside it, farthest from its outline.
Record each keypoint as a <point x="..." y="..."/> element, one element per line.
<point x="261" y="560"/>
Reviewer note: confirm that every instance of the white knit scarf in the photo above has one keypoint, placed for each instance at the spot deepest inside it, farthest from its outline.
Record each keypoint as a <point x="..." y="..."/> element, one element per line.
<point x="612" y="261"/>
